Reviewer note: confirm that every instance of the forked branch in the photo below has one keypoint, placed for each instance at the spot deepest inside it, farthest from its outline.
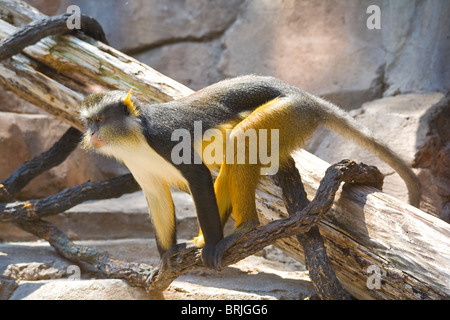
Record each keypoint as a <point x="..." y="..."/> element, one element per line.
<point x="257" y="239"/>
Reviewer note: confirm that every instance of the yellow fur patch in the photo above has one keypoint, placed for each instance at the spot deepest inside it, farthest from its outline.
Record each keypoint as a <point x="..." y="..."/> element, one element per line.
<point x="130" y="104"/>
<point x="199" y="241"/>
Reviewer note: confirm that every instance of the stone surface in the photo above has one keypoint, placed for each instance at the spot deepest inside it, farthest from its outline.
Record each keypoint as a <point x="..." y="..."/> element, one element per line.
<point x="107" y="289"/>
<point x="201" y="70"/>
<point x="416" y="38"/>
<point x="33" y="270"/>
<point x="295" y="41"/>
<point x="433" y="156"/>
<point x="49" y="277"/>
<point x="155" y="23"/>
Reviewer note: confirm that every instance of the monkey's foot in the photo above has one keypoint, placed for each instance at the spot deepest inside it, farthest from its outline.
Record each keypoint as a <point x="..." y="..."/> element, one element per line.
<point x="199" y="241"/>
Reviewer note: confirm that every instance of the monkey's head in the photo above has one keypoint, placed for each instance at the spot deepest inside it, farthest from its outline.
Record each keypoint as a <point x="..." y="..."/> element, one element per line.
<point x="111" y="120"/>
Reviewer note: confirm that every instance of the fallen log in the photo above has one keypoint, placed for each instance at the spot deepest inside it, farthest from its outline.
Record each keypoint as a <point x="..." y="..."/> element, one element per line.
<point x="56" y="73"/>
<point x="379" y="247"/>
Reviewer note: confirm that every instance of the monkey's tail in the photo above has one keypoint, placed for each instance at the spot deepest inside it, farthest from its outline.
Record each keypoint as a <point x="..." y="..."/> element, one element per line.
<point x="340" y="122"/>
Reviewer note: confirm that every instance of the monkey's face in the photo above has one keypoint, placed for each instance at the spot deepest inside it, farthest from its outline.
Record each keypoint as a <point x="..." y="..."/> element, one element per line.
<point x="111" y="120"/>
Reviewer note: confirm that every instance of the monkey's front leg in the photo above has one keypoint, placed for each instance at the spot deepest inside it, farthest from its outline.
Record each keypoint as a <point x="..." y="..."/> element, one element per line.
<point x="162" y="213"/>
<point x="202" y="191"/>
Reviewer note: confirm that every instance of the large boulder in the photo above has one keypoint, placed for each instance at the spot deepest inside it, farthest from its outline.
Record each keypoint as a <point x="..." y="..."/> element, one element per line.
<point x="134" y="26"/>
<point x="319" y="46"/>
<point x="433" y="156"/>
<point x="416" y="43"/>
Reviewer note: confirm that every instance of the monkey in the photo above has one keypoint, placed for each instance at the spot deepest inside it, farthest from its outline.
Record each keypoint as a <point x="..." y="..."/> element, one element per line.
<point x="141" y="136"/>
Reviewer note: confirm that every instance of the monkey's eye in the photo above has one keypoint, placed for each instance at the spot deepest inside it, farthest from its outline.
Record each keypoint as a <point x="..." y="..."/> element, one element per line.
<point x="99" y="118"/>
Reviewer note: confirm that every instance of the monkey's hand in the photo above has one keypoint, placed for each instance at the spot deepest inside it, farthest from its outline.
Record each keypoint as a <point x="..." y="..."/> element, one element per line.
<point x="227" y="242"/>
<point x="220" y="249"/>
<point x="177" y="252"/>
<point x="209" y="256"/>
<point x="208" y="252"/>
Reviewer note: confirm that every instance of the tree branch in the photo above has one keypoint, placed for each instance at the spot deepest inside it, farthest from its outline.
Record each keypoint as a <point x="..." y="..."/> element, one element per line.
<point x="39" y="164"/>
<point x="105" y="263"/>
<point x="49" y="26"/>
<point x="66" y="199"/>
<point x="257" y="239"/>
<point x="317" y="262"/>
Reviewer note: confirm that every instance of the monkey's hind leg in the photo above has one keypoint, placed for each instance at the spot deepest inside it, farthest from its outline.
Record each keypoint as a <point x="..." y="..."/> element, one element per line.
<point x="243" y="177"/>
<point x="242" y="181"/>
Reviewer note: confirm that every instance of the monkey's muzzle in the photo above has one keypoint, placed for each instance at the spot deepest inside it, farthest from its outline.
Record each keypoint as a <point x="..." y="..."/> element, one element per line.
<point x="95" y="140"/>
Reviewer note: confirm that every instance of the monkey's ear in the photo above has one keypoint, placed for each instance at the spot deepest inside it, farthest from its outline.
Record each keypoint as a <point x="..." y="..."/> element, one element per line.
<point x="130" y="104"/>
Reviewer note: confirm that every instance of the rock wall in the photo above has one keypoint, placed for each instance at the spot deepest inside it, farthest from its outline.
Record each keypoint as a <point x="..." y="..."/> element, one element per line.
<point x="324" y="47"/>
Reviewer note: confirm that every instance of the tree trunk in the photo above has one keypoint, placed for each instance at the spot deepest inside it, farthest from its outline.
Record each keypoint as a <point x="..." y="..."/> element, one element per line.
<point x="380" y="247"/>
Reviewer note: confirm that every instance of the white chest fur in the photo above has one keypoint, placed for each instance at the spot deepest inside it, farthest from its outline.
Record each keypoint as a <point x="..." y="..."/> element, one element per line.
<point x="147" y="165"/>
<point x="154" y="174"/>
